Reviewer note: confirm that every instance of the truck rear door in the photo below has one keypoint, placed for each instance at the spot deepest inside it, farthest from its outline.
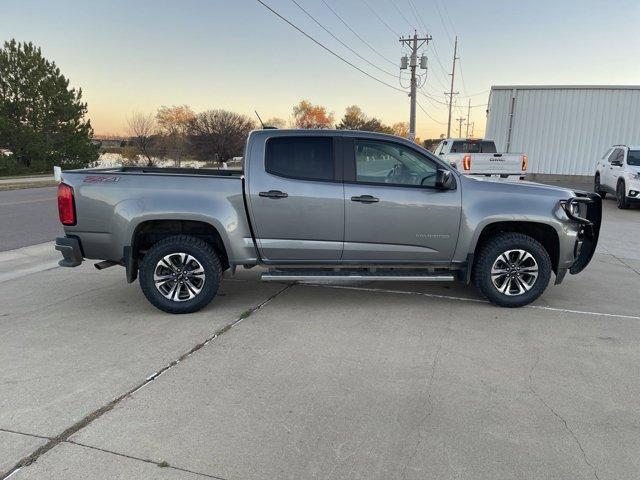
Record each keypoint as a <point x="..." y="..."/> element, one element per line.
<point x="296" y="198"/>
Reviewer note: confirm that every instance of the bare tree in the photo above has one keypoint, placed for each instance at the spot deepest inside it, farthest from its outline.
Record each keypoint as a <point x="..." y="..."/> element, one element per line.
<point x="142" y="128"/>
<point x="276" y="122"/>
<point x="174" y="124"/>
<point x="219" y="134"/>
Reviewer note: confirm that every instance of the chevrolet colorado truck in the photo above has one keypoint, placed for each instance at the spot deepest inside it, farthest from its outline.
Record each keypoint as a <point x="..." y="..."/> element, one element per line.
<point x="325" y="205"/>
<point x="473" y="156"/>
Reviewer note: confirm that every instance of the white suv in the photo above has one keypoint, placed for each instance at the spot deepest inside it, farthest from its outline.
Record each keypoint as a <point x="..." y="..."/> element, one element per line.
<point x="618" y="173"/>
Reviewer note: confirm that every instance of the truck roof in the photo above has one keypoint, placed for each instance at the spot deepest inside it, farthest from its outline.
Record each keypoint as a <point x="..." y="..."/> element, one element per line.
<point x="276" y="132"/>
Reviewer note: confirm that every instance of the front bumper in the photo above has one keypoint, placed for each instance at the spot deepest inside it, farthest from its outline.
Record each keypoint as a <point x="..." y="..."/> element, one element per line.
<point x="590" y="219"/>
<point x="71" y="251"/>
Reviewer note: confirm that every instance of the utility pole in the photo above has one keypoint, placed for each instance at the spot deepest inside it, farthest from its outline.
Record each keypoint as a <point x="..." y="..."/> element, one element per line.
<point x="451" y="93"/>
<point x="414" y="44"/>
<point x="460" y="122"/>
<point x="468" y="117"/>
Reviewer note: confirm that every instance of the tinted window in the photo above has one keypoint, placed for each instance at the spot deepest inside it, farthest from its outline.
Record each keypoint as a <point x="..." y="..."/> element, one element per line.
<point x="473" y="146"/>
<point x="300" y="157"/>
<point x="385" y="162"/>
<point x="633" y="158"/>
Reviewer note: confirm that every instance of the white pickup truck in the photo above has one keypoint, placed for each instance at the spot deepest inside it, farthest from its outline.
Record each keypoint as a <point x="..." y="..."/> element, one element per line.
<point x="480" y="157"/>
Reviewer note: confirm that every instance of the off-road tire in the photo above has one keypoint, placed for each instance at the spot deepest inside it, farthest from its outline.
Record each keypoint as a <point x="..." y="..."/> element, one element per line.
<point x="621" y="196"/>
<point x="202" y="252"/>
<point x="490" y="250"/>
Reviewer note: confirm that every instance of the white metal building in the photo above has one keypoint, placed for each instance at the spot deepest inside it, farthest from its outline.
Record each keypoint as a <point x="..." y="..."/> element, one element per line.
<point x="563" y="129"/>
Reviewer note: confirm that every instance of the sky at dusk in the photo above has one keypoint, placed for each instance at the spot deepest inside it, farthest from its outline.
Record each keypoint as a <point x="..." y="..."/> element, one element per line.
<point x="137" y="55"/>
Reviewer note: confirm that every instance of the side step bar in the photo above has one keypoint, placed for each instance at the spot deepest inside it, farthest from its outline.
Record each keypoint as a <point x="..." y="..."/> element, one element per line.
<point x="384" y="276"/>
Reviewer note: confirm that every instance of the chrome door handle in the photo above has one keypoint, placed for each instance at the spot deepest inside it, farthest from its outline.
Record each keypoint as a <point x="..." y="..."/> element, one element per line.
<point x="273" y="194"/>
<point x="365" y="199"/>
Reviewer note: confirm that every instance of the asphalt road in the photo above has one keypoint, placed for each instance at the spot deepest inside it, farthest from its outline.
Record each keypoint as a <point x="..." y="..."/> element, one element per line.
<point x="28" y="217"/>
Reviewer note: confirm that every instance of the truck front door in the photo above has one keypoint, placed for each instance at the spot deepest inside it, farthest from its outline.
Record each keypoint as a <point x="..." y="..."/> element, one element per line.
<point x="393" y="210"/>
<point x="296" y="199"/>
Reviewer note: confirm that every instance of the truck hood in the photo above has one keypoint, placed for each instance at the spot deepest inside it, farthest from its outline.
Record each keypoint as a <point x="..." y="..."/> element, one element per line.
<point x="521" y="186"/>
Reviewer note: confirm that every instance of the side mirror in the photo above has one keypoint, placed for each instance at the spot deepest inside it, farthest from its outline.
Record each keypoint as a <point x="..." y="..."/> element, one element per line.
<point x="617" y="163"/>
<point x="444" y="179"/>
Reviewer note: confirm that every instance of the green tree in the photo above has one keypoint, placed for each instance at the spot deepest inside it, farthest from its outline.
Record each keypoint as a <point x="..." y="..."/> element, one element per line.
<point x="355" y="119"/>
<point x="41" y="119"/>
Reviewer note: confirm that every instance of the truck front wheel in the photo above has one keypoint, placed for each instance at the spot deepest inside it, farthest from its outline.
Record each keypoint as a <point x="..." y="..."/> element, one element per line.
<point x="512" y="270"/>
<point x="180" y="274"/>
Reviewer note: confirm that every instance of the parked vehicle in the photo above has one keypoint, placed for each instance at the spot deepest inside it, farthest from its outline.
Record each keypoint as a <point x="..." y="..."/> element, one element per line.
<point x="480" y="157"/>
<point x="618" y="173"/>
<point x="335" y="205"/>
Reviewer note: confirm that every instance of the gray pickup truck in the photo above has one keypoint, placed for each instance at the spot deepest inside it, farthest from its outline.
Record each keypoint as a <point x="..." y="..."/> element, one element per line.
<point x="325" y="205"/>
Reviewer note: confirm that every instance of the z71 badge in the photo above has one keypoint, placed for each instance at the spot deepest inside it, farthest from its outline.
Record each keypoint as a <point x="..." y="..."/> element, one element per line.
<point x="101" y="179"/>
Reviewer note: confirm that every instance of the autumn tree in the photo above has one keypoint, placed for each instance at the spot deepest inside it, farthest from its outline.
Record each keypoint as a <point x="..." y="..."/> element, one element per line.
<point x="219" y="134"/>
<point x="42" y="119"/>
<point x="142" y="128"/>
<point x="400" y="129"/>
<point x="174" y="124"/>
<point x="309" y="116"/>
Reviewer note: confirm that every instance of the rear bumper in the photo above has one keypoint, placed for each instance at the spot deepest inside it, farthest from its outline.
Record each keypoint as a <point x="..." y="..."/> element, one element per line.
<point x="71" y="252"/>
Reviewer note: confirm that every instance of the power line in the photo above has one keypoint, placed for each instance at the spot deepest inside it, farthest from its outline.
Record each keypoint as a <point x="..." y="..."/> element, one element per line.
<point x="425" y="112"/>
<point x="341" y="42"/>
<point x="328" y="49"/>
<point x="444" y="24"/>
<point x="380" y="18"/>
<point x="359" y="37"/>
<point x="401" y="14"/>
<point x="417" y="16"/>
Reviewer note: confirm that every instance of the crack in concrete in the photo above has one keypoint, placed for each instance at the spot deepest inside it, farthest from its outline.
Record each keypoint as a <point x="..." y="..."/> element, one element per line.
<point x="88" y="419"/>
<point x="161" y="464"/>
<point x="625" y="264"/>
<point x="8" y="430"/>
<point x="427" y="412"/>
<point x="561" y="418"/>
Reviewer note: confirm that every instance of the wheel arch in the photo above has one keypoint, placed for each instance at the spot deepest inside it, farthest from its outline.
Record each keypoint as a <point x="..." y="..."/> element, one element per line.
<point x="149" y="232"/>
<point x="544" y="233"/>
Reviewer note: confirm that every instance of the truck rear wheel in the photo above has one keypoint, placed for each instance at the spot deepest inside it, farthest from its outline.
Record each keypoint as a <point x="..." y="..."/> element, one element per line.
<point x="180" y="274"/>
<point x="512" y="270"/>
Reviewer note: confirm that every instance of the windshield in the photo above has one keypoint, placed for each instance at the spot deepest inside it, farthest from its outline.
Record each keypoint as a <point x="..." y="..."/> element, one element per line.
<point x="633" y="158"/>
<point x="473" y="146"/>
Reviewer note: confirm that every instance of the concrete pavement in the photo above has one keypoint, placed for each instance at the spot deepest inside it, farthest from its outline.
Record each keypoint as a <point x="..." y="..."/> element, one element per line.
<point x="354" y="381"/>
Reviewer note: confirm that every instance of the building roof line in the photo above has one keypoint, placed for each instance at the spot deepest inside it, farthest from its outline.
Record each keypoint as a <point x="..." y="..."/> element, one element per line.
<point x="565" y="87"/>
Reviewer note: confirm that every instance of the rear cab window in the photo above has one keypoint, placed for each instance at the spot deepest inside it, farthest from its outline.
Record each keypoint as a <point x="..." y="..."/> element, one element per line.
<point x="473" y="146"/>
<point x="305" y="158"/>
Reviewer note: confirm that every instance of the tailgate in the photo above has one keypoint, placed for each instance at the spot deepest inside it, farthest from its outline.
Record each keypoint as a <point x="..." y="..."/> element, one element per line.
<point x="494" y="163"/>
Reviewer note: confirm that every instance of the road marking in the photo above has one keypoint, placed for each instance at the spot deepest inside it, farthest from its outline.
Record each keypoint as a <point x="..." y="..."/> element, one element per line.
<point x="35" y="200"/>
<point x="476" y="300"/>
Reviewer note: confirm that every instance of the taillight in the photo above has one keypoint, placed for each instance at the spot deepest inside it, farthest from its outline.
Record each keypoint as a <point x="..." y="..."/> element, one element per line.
<point x="66" y="205"/>
<point x="525" y="163"/>
<point x="466" y="162"/>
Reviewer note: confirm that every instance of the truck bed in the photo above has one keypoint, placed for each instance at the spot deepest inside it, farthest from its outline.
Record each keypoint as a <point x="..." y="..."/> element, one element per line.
<point x="211" y="172"/>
